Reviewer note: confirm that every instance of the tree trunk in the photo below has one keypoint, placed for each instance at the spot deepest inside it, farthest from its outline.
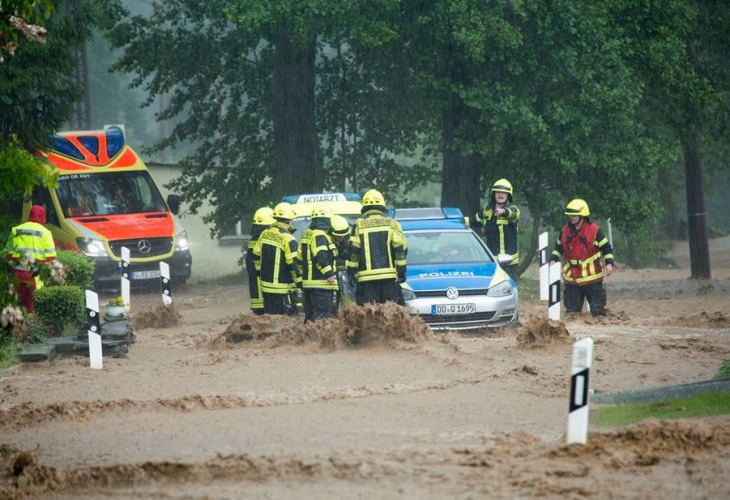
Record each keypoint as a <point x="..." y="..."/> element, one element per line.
<point x="699" y="250"/>
<point x="297" y="159"/>
<point x="460" y="173"/>
<point x="534" y="241"/>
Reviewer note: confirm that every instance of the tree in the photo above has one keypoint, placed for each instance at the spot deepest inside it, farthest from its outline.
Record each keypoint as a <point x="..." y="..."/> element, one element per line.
<point x="542" y="94"/>
<point x="22" y="17"/>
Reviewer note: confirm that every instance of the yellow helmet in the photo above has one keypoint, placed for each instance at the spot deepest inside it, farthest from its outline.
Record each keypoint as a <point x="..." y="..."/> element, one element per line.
<point x="502" y="186"/>
<point x="264" y="216"/>
<point x="578" y="207"/>
<point x="340" y="226"/>
<point x="373" y="197"/>
<point x="284" y="211"/>
<point x="318" y="211"/>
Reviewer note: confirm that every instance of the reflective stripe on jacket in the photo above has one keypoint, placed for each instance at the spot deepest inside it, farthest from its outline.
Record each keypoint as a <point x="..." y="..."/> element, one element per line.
<point x="501" y="232"/>
<point x="276" y="252"/>
<point x="32" y="239"/>
<point x="581" y="251"/>
<point x="317" y="259"/>
<point x="377" y="248"/>
<point x="254" y="281"/>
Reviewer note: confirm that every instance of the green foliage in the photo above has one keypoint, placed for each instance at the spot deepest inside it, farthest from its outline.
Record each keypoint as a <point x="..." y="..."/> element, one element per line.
<point x="693" y="406"/>
<point x="61" y="306"/>
<point x="8" y="352"/>
<point x="35" y="330"/>
<point x="723" y="371"/>
<point x="29" y="15"/>
<point x="79" y="269"/>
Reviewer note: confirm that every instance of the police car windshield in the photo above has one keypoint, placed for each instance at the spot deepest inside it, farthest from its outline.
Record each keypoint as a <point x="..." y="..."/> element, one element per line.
<point x="438" y="247"/>
<point x="108" y="194"/>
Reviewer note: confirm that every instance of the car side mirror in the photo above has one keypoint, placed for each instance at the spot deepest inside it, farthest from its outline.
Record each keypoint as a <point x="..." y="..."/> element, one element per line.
<point x="173" y="201"/>
<point x="504" y="259"/>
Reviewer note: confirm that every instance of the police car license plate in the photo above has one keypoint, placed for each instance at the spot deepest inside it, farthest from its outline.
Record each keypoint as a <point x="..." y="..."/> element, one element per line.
<point x="145" y="275"/>
<point x="445" y="309"/>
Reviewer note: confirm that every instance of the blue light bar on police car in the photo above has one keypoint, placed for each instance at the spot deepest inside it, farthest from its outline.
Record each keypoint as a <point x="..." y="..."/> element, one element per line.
<point x="431" y="213"/>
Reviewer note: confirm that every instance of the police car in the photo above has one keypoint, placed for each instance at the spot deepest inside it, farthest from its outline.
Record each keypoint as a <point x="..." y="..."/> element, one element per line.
<point x="345" y="204"/>
<point x="453" y="280"/>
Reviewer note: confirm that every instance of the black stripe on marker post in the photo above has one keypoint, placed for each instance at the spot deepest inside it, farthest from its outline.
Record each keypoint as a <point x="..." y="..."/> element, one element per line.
<point x="584" y="374"/>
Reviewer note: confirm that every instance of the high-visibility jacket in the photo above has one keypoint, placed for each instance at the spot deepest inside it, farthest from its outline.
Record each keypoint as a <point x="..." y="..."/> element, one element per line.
<point x="31" y="239"/>
<point x="254" y="281"/>
<point x="275" y="259"/>
<point x="377" y="248"/>
<point x="581" y="251"/>
<point x="501" y="232"/>
<point x="317" y="257"/>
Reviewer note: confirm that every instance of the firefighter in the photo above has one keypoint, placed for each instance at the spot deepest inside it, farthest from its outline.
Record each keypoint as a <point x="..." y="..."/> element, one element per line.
<point x="499" y="224"/>
<point x="317" y="258"/>
<point x="377" y="253"/>
<point x="341" y="236"/>
<point x="30" y="244"/>
<point x="262" y="219"/>
<point x="275" y="260"/>
<point x="582" y="245"/>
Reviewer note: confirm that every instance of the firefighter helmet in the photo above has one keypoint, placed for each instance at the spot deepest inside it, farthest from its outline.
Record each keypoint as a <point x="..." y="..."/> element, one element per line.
<point x="373" y="198"/>
<point x="502" y="186"/>
<point x="284" y="211"/>
<point x="264" y="216"/>
<point x="318" y="211"/>
<point x="340" y="226"/>
<point x="578" y="207"/>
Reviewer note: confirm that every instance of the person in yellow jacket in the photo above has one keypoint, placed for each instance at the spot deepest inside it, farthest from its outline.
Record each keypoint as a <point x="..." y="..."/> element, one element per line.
<point x="262" y="219"/>
<point x="377" y="253"/>
<point x="30" y="244"/>
<point x="498" y="220"/>
<point x="275" y="260"/>
<point x="317" y="258"/>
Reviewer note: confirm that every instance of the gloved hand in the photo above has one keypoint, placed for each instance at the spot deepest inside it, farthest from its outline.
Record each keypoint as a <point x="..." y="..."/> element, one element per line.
<point x="401" y="275"/>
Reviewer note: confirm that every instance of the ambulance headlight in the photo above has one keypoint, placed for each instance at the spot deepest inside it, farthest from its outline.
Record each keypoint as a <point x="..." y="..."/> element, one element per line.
<point x="501" y="289"/>
<point x="181" y="242"/>
<point x="91" y="247"/>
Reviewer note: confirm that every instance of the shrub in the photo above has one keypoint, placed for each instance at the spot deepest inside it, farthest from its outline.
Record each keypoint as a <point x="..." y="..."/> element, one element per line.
<point x="61" y="306"/>
<point x="79" y="269"/>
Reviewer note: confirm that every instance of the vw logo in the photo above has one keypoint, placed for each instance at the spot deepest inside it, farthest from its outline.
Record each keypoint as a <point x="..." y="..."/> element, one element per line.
<point x="452" y="293"/>
<point x="144" y="246"/>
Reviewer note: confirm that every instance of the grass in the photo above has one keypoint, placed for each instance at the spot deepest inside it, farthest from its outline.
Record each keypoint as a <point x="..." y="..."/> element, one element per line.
<point x="693" y="406"/>
<point x="8" y="353"/>
<point x="529" y="289"/>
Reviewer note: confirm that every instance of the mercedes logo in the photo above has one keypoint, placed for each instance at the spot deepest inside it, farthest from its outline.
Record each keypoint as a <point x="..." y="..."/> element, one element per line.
<point x="452" y="293"/>
<point x="144" y="246"/>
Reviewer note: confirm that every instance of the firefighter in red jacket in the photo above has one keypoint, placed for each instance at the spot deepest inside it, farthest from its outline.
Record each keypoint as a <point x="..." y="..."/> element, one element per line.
<point x="584" y="250"/>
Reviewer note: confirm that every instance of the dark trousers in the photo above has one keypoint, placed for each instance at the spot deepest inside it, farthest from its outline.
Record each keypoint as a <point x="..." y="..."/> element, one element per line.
<point x="378" y="291"/>
<point x="278" y="303"/>
<point x="318" y="303"/>
<point x="595" y="293"/>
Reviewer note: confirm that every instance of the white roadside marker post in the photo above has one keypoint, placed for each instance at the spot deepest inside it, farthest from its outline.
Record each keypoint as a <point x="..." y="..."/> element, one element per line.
<point x="165" y="282"/>
<point x="544" y="265"/>
<point x="578" y="412"/>
<point x="126" y="298"/>
<point x="554" y="289"/>
<point x="94" y="330"/>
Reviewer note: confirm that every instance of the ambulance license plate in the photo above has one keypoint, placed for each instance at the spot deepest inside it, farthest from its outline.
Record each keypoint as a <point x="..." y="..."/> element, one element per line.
<point x="446" y="309"/>
<point x="145" y="275"/>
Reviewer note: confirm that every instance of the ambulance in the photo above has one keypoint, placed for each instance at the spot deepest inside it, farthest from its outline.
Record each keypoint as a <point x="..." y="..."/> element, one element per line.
<point x="106" y="200"/>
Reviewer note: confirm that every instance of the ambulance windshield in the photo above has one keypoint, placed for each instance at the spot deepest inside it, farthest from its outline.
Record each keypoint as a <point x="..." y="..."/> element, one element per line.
<point x="109" y="194"/>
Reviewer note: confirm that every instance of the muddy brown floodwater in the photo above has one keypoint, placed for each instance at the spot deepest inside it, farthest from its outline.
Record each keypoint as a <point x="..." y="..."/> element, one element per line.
<point x="218" y="404"/>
